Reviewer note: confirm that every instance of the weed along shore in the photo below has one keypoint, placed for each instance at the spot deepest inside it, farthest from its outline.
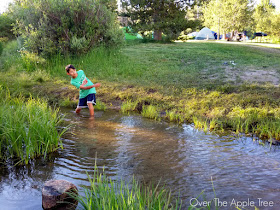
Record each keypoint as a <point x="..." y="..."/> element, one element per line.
<point x="192" y="82"/>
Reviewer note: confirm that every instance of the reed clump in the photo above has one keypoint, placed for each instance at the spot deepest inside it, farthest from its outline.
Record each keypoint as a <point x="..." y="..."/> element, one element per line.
<point x="28" y="128"/>
<point x="104" y="193"/>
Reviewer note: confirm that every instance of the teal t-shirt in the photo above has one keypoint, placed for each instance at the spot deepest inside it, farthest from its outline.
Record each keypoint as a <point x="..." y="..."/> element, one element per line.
<point x="77" y="82"/>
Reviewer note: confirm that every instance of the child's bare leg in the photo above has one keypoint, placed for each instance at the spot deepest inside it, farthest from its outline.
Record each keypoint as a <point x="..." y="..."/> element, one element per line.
<point x="91" y="109"/>
<point x="78" y="110"/>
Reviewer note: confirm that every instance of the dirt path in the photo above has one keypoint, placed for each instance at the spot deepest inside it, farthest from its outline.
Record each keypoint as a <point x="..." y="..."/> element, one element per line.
<point x="272" y="48"/>
<point x="265" y="47"/>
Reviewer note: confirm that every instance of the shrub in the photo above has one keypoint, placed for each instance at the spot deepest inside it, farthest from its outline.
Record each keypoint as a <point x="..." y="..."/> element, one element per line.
<point x="1" y="48"/>
<point x="6" y="27"/>
<point x="31" y="60"/>
<point x="2" y="41"/>
<point x="70" y="26"/>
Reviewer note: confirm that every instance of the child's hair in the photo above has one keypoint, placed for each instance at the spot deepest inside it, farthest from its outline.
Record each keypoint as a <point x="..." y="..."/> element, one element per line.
<point x="68" y="67"/>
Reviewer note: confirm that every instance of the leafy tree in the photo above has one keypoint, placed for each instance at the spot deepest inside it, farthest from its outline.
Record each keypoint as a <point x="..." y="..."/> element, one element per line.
<point x="111" y="4"/>
<point x="265" y="16"/>
<point x="275" y="32"/>
<point x="6" y="26"/>
<point x="68" y="26"/>
<point x="227" y="15"/>
<point x="167" y="16"/>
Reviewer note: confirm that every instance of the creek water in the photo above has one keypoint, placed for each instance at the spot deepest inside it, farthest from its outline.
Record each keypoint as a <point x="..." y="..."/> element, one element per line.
<point x="234" y="171"/>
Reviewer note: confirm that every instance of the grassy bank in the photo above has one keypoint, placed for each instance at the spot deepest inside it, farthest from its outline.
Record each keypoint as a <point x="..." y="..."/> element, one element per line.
<point x="216" y="86"/>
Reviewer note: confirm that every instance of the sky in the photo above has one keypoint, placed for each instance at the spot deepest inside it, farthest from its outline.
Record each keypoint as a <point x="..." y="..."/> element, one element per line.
<point x="4" y="4"/>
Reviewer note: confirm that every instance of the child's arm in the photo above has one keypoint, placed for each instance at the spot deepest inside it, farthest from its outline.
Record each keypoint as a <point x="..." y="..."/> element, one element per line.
<point x="89" y="87"/>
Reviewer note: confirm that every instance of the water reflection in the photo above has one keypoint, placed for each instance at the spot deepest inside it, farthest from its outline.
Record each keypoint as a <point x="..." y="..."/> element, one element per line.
<point x="184" y="159"/>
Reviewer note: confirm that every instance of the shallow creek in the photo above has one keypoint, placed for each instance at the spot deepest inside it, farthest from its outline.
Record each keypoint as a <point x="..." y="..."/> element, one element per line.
<point x="243" y="172"/>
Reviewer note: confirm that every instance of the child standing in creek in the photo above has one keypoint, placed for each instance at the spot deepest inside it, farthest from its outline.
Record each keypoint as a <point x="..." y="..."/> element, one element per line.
<point x="87" y="96"/>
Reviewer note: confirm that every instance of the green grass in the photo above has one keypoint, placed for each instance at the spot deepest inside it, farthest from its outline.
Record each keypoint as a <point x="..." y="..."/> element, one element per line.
<point x="104" y="193"/>
<point x="150" y="111"/>
<point x="128" y="106"/>
<point x="189" y="82"/>
<point x="28" y="129"/>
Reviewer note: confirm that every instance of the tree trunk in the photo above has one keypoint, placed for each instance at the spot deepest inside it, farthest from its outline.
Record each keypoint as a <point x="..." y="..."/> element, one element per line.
<point x="232" y="35"/>
<point x="158" y="35"/>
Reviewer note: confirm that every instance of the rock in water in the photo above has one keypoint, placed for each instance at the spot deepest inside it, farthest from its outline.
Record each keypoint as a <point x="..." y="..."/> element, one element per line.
<point x="55" y="195"/>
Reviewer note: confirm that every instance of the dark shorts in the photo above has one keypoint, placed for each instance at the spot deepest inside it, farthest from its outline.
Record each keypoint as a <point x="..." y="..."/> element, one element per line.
<point x="89" y="99"/>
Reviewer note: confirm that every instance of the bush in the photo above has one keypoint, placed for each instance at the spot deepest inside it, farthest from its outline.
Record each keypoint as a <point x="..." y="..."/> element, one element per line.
<point x="1" y="48"/>
<point x="31" y="60"/>
<point x="6" y="27"/>
<point x="70" y="26"/>
<point x="2" y="41"/>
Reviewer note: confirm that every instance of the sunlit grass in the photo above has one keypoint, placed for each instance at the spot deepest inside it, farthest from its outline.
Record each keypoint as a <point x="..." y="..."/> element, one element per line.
<point x="150" y="111"/>
<point x="128" y="106"/>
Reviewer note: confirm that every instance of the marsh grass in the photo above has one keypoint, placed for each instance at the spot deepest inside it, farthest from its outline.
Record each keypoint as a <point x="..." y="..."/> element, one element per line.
<point x="105" y="193"/>
<point x="128" y="106"/>
<point x="150" y="111"/>
<point x="28" y="128"/>
<point x="100" y="105"/>
<point x="174" y="116"/>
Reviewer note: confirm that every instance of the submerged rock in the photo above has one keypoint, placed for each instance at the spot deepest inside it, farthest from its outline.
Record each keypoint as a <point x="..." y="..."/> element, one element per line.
<point x="273" y="141"/>
<point x="55" y="195"/>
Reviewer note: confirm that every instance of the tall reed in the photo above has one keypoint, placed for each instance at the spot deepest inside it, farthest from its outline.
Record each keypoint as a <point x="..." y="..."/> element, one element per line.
<point x="28" y="129"/>
<point x="104" y="193"/>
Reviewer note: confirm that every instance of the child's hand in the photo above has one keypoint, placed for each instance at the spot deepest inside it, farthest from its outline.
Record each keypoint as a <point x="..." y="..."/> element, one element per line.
<point x="97" y="85"/>
<point x="84" y="82"/>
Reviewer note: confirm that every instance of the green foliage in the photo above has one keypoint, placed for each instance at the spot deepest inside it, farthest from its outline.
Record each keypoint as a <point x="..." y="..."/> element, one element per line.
<point x="54" y="26"/>
<point x="78" y="44"/>
<point x="100" y="106"/>
<point x="184" y="36"/>
<point x="31" y="60"/>
<point x="10" y="58"/>
<point x="6" y="26"/>
<point x="267" y="20"/>
<point x="1" y="48"/>
<point x="68" y="103"/>
<point x="150" y="111"/>
<point x="128" y="106"/>
<point x="167" y="16"/>
<point x="174" y="116"/>
<point x="28" y="129"/>
<point x="105" y="193"/>
<point x="227" y="15"/>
